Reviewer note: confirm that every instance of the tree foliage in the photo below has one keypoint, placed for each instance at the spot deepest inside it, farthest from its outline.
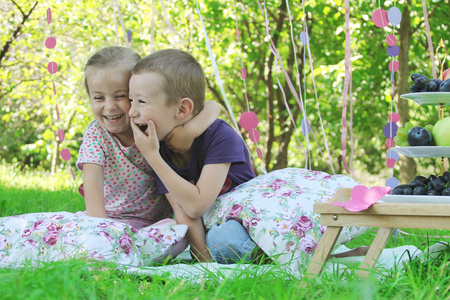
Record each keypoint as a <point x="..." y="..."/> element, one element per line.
<point x="27" y="112"/>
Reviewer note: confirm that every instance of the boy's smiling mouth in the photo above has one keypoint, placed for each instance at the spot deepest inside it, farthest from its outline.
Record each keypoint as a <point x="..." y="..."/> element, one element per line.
<point x="142" y="127"/>
<point x="113" y="118"/>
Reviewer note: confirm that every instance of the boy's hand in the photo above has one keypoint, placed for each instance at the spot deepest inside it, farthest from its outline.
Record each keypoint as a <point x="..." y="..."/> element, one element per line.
<point x="179" y="140"/>
<point x="144" y="142"/>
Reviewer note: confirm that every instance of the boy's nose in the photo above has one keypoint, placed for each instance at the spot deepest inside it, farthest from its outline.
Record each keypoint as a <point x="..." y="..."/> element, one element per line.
<point x="110" y="104"/>
<point x="132" y="112"/>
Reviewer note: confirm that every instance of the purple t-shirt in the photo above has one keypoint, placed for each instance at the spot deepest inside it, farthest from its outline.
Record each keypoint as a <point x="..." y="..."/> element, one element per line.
<point x="218" y="144"/>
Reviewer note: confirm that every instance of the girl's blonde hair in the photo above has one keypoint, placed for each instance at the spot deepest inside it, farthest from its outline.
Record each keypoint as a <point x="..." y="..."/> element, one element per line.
<point x="121" y="58"/>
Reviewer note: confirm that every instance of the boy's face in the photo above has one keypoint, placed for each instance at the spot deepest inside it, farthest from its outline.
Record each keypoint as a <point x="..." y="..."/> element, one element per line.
<point x="108" y="91"/>
<point x="148" y="102"/>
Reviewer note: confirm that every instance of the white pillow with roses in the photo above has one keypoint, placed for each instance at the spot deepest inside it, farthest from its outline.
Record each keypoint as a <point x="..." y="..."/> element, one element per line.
<point x="277" y="210"/>
<point x="29" y="239"/>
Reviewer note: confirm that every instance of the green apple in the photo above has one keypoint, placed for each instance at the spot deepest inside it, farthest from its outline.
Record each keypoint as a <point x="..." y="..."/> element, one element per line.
<point x="441" y="132"/>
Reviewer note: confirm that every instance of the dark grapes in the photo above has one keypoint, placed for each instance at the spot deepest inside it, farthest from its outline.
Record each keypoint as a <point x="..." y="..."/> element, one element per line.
<point x="445" y="86"/>
<point x="414" y="76"/>
<point x="421" y="185"/>
<point x="423" y="84"/>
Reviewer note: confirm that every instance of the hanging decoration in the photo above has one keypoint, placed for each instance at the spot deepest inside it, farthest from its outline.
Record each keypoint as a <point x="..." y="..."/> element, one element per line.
<point x="382" y="18"/>
<point x="53" y="68"/>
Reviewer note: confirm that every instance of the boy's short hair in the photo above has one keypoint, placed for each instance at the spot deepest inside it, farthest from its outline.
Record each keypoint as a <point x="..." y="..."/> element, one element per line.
<point x="182" y="74"/>
<point x="121" y="58"/>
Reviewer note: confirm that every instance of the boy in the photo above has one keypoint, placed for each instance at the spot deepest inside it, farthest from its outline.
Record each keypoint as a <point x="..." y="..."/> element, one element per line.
<point x="167" y="89"/>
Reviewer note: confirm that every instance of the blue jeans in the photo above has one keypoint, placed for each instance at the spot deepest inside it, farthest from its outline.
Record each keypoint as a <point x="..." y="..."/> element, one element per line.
<point x="229" y="242"/>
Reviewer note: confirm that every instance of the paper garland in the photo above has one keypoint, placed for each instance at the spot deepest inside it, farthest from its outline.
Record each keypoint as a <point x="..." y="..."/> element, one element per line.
<point x="53" y="68"/>
<point x="382" y="18"/>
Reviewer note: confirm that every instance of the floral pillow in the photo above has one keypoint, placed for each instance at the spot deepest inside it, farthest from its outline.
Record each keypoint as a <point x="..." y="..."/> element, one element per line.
<point x="277" y="210"/>
<point x="46" y="237"/>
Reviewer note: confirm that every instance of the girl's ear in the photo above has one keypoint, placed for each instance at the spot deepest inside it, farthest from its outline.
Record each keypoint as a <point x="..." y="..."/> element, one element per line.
<point x="185" y="108"/>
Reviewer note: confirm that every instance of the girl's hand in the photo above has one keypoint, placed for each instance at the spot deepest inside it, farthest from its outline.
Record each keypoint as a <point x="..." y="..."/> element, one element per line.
<point x="146" y="143"/>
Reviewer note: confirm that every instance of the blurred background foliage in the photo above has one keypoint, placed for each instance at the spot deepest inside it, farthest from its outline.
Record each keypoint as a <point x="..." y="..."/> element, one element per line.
<point x="28" y="119"/>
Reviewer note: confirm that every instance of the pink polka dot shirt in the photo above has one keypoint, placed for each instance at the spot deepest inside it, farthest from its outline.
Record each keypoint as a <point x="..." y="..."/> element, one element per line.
<point x="129" y="181"/>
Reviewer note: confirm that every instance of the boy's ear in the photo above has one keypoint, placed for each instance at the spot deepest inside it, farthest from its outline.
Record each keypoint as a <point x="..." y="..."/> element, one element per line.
<point x="185" y="108"/>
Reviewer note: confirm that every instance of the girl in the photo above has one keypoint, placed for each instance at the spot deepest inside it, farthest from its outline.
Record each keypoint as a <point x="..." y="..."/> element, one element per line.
<point x="118" y="182"/>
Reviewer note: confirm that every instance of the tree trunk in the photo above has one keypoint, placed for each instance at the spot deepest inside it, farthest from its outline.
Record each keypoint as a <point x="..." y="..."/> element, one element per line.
<point x="407" y="164"/>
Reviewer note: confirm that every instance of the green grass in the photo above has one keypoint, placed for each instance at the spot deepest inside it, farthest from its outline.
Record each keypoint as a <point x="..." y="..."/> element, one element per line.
<point x="40" y="192"/>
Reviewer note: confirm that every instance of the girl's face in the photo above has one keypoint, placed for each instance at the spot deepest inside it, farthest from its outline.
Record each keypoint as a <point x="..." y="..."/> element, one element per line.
<point x="108" y="91"/>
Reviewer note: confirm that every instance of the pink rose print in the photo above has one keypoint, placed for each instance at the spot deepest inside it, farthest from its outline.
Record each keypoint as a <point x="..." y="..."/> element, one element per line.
<point x="68" y="227"/>
<point x="304" y="223"/>
<point x="276" y="184"/>
<point x="2" y="242"/>
<point x="102" y="225"/>
<point x="96" y="256"/>
<point x="70" y="239"/>
<point x="290" y="246"/>
<point x="235" y="210"/>
<point x="322" y="228"/>
<point x="26" y="232"/>
<point x="51" y="238"/>
<point x="256" y="209"/>
<point x="153" y="233"/>
<point x="268" y="195"/>
<point x="254" y="221"/>
<point x="54" y="227"/>
<point x="246" y="224"/>
<point x="284" y="227"/>
<point x="284" y="192"/>
<point x="56" y="217"/>
<point x="133" y="230"/>
<point x="288" y="213"/>
<point x="29" y="244"/>
<point x="307" y="244"/>
<point x="125" y="243"/>
<point x="105" y="236"/>
<point x="40" y="225"/>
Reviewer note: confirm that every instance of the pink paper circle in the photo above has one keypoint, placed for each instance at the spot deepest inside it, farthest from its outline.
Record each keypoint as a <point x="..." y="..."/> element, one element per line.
<point x="61" y="135"/>
<point x="394" y="16"/>
<point x="249" y="120"/>
<point x="393" y="66"/>
<point x="52" y="67"/>
<point x="392" y="182"/>
<point x="259" y="152"/>
<point x="54" y="88"/>
<point x="390" y="163"/>
<point x="254" y="135"/>
<point x="49" y="15"/>
<point x="243" y="73"/>
<point x="81" y="190"/>
<point x="380" y="18"/>
<point x="65" y="154"/>
<point x="50" y="42"/>
<point x="394" y="117"/>
<point x="390" y="143"/>
<point x="391" y="40"/>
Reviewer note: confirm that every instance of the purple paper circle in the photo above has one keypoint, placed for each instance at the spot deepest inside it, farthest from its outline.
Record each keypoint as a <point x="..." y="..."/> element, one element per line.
<point x="394" y="117"/>
<point x="129" y="35"/>
<point x="52" y="67"/>
<point x="259" y="152"/>
<point x="391" y="40"/>
<point x="392" y="154"/>
<point x="380" y="18"/>
<point x="305" y="127"/>
<point x="50" y="42"/>
<point x="394" y="15"/>
<point x="393" y="51"/>
<point x="249" y="120"/>
<point x="304" y="38"/>
<point x="254" y="135"/>
<point x="393" y="66"/>
<point x="390" y="130"/>
<point x="65" y="154"/>
<point x="392" y="182"/>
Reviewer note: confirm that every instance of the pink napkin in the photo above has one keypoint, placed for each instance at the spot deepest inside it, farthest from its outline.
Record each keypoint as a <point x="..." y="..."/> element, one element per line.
<point x="362" y="197"/>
